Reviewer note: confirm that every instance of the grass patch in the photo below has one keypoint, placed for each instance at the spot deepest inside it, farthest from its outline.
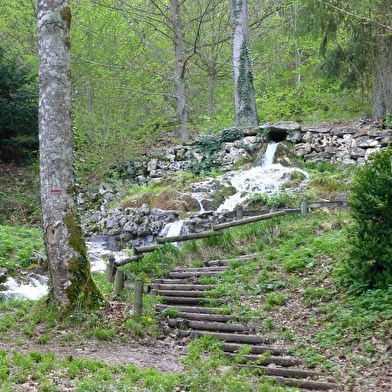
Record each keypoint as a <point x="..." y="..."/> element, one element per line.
<point x="17" y="246"/>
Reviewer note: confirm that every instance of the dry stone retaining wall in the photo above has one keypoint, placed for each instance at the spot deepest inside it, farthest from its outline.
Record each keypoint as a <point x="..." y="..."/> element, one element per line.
<point x="347" y="144"/>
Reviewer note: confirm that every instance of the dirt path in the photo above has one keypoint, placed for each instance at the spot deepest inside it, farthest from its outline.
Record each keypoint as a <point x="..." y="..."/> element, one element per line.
<point x="162" y="355"/>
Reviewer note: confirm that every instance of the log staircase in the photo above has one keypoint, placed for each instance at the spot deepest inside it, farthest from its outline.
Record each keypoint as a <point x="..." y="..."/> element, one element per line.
<point x="189" y="311"/>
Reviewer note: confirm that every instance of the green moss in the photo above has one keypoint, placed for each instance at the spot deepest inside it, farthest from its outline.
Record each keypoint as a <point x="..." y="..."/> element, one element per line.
<point x="82" y="292"/>
<point x="66" y="15"/>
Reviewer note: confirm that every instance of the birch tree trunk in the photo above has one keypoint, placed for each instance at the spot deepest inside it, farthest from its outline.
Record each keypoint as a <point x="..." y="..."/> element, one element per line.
<point x="244" y="93"/>
<point x="71" y="283"/>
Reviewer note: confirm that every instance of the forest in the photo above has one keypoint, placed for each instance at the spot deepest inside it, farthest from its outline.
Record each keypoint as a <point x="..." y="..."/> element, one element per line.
<point x="89" y="87"/>
<point x="312" y="61"/>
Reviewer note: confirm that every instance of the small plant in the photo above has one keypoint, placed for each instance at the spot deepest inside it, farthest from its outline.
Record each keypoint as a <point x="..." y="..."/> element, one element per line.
<point x="274" y="299"/>
<point x="171" y="312"/>
<point x="388" y="121"/>
<point x="207" y="147"/>
<point x="230" y="135"/>
<point x="103" y="333"/>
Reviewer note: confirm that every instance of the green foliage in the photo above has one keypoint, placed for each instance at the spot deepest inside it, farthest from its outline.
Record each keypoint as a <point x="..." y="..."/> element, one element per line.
<point x="153" y="264"/>
<point x="281" y="199"/>
<point x="204" y="370"/>
<point x="18" y="111"/>
<point x="388" y="121"/>
<point x="19" y="195"/>
<point x="370" y="263"/>
<point x="17" y="246"/>
<point x="230" y="135"/>
<point x="207" y="146"/>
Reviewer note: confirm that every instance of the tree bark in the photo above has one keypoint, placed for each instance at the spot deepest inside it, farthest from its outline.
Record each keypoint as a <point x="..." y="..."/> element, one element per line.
<point x="382" y="89"/>
<point x="244" y="93"/>
<point x="179" y="70"/>
<point x="71" y="283"/>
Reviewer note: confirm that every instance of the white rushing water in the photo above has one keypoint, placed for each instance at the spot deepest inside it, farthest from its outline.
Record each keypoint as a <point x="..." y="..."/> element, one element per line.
<point x="34" y="286"/>
<point x="268" y="177"/>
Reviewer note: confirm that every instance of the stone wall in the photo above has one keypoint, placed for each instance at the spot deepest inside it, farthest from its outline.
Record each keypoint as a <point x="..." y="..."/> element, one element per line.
<point x="348" y="144"/>
<point x="139" y="224"/>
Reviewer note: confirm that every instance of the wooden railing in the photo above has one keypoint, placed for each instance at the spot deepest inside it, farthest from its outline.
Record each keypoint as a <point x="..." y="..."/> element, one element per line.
<point x="240" y="217"/>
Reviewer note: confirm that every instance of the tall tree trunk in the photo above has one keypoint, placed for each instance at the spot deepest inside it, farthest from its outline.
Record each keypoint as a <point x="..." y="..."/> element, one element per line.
<point x="69" y="266"/>
<point x="244" y="93"/>
<point x="179" y="70"/>
<point x="382" y="88"/>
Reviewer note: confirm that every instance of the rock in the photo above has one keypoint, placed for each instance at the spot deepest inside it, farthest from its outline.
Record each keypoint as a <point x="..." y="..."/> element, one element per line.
<point x="366" y="142"/>
<point x="3" y="275"/>
<point x="294" y="137"/>
<point x="281" y="126"/>
<point x="341" y="131"/>
<point x="318" y="129"/>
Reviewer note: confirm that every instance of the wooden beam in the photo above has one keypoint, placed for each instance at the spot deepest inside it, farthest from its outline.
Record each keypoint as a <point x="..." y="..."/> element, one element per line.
<point x="248" y="220"/>
<point x="187" y="237"/>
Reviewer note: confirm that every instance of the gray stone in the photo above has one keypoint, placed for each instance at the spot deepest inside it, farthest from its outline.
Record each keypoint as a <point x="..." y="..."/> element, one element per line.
<point x="302" y="149"/>
<point x="357" y="152"/>
<point x="281" y="126"/>
<point x="342" y="131"/>
<point x="366" y="142"/>
<point x="130" y="227"/>
<point x="318" y="129"/>
<point x="294" y="137"/>
<point x="3" y="275"/>
<point x="152" y="165"/>
<point x="111" y="223"/>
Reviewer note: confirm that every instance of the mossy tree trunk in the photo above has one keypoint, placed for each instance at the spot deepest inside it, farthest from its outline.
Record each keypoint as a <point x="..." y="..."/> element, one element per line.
<point x="69" y="266"/>
<point x="244" y="92"/>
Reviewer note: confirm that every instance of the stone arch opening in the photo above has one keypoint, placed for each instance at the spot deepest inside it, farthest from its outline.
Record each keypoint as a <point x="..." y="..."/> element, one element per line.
<point x="277" y="135"/>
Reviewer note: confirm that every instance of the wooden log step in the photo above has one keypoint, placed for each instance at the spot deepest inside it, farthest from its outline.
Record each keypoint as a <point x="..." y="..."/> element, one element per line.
<point x="209" y="326"/>
<point x="228" y="337"/>
<point x="192" y="300"/>
<point x="183" y="287"/>
<point x="211" y="263"/>
<point x="175" y="281"/>
<point x="178" y="293"/>
<point x="199" y="269"/>
<point x="192" y="274"/>
<point x="254" y="349"/>
<point x="272" y="359"/>
<point x="191" y="309"/>
<point x="306" y="384"/>
<point x="281" y="372"/>
<point x="220" y="318"/>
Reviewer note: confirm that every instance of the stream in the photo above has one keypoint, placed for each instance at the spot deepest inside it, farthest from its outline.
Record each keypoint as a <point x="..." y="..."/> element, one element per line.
<point x="266" y="177"/>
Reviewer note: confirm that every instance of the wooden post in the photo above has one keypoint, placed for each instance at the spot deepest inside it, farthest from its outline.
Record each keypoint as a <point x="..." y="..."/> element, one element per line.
<point x="110" y="269"/>
<point x="138" y="297"/>
<point x="118" y="281"/>
<point x="239" y="212"/>
<point x="304" y="207"/>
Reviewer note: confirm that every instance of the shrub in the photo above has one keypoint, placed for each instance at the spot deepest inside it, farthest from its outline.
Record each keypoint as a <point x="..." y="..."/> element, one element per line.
<point x="370" y="262"/>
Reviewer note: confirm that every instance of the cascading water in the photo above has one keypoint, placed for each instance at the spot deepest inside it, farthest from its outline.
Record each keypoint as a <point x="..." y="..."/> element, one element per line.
<point x="269" y="155"/>
<point x="266" y="178"/>
<point x="34" y="286"/>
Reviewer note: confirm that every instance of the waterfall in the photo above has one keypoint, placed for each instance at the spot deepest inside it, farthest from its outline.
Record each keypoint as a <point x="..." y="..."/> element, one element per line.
<point x="269" y="155"/>
<point x="266" y="178"/>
